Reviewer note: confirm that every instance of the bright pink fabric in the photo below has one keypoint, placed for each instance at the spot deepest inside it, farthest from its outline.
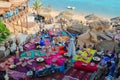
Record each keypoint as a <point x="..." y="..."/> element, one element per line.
<point x="55" y="59"/>
<point x="47" y="42"/>
<point x="88" y="67"/>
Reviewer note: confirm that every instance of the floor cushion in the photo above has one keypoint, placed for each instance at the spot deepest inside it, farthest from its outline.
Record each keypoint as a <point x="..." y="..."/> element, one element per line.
<point x="85" y="66"/>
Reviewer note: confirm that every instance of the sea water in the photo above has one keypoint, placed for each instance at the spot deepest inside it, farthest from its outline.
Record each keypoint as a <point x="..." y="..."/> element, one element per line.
<point x="106" y="8"/>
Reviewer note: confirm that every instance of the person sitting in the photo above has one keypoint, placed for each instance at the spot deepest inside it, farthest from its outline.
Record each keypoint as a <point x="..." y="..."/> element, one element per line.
<point x="78" y="48"/>
<point x="84" y="46"/>
<point x="13" y="48"/>
<point x="90" y="46"/>
<point x="42" y="42"/>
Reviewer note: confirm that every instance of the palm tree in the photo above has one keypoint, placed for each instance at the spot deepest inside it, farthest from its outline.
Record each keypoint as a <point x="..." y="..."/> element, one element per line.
<point x="37" y="5"/>
<point x="4" y="32"/>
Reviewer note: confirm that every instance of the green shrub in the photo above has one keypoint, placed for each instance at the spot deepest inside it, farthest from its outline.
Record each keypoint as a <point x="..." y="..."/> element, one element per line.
<point x="4" y="32"/>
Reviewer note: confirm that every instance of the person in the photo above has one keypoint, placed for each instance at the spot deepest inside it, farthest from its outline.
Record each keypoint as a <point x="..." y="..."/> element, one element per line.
<point x="90" y="46"/>
<point x="43" y="31"/>
<point x="12" y="48"/>
<point x="84" y="46"/>
<point x="6" y="77"/>
<point x="17" y="54"/>
<point x="42" y="42"/>
<point x="53" y="42"/>
<point x="76" y="40"/>
<point x="78" y="48"/>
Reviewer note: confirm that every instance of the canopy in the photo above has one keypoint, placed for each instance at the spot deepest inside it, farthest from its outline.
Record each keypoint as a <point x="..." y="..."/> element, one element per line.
<point x="92" y="17"/>
<point x="65" y="15"/>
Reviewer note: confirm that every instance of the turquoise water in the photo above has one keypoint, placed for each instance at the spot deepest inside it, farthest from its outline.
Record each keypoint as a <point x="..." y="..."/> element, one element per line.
<point x="106" y="8"/>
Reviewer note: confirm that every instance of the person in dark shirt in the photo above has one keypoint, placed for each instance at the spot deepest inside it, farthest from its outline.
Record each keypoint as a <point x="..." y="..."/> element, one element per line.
<point x="78" y="48"/>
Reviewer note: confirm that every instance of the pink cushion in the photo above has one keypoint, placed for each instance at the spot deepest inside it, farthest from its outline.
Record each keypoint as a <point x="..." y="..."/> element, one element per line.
<point x="59" y="62"/>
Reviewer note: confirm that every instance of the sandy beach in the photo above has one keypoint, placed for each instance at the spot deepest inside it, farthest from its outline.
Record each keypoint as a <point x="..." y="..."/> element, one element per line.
<point x="76" y="16"/>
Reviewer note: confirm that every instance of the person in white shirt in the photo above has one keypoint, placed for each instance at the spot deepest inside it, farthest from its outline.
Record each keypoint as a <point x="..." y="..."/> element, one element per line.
<point x="13" y="48"/>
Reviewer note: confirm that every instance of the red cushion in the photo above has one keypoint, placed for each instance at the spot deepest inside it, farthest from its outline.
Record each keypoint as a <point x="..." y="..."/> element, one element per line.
<point x="88" y="67"/>
<point x="62" y="52"/>
<point x="61" y="48"/>
<point x="53" y="49"/>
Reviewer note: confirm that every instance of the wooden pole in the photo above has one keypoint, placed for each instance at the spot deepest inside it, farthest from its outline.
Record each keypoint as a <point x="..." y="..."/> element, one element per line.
<point x="21" y="25"/>
<point x="13" y="27"/>
<point x="27" y="21"/>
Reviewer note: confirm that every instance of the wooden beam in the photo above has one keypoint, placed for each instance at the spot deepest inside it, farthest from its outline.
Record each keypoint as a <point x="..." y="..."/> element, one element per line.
<point x="27" y="21"/>
<point x="13" y="27"/>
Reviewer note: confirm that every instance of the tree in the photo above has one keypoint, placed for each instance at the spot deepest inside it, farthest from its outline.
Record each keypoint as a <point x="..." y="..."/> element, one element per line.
<point x="4" y="32"/>
<point x="37" y="5"/>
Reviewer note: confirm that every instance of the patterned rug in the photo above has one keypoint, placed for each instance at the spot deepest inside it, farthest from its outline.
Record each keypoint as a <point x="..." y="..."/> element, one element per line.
<point x="72" y="74"/>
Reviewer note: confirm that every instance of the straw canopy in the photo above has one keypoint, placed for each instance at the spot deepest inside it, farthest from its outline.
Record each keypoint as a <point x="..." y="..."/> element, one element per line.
<point x="77" y="29"/>
<point x="107" y="45"/>
<point x="65" y="15"/>
<point x="99" y="25"/>
<point x="92" y="17"/>
<point x="116" y="19"/>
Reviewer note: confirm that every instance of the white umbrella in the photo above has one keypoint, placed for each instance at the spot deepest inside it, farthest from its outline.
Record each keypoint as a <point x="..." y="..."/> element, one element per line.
<point x="71" y="48"/>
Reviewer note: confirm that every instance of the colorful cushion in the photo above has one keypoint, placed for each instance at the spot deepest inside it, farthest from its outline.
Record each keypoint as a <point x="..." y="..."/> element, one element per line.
<point x="85" y="66"/>
<point x="84" y="54"/>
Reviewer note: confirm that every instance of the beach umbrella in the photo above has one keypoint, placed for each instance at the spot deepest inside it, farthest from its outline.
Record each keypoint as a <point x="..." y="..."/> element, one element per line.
<point x="92" y="17"/>
<point x="76" y="29"/>
<point x="71" y="48"/>
<point x="65" y="15"/>
<point x="116" y="19"/>
<point x="46" y="9"/>
<point x="107" y="45"/>
<point x="100" y="25"/>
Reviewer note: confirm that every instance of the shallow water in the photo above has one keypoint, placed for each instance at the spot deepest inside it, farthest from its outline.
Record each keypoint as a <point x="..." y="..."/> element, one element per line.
<point x="106" y="8"/>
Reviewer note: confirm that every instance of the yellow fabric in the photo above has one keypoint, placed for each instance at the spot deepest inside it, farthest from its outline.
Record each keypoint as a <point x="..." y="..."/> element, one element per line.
<point x="85" y="54"/>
